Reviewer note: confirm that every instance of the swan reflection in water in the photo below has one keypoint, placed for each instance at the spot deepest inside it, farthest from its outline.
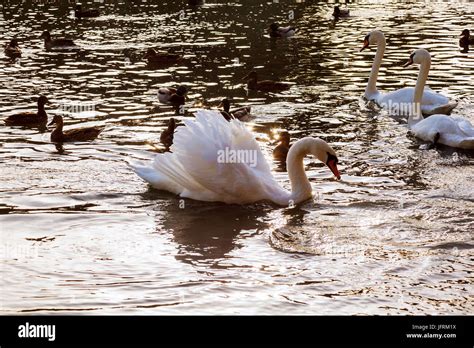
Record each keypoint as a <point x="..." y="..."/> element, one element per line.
<point x="207" y="231"/>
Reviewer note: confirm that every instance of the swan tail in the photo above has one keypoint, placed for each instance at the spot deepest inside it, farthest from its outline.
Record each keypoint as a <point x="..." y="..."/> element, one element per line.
<point x="154" y="177"/>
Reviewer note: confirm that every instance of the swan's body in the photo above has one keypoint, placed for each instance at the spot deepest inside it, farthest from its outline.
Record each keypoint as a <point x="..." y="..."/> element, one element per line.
<point x="400" y="101"/>
<point x="207" y="163"/>
<point x="452" y="131"/>
<point x="277" y="31"/>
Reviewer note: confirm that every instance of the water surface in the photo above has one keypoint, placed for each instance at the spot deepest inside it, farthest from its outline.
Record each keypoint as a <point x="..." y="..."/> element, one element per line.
<point x="81" y="233"/>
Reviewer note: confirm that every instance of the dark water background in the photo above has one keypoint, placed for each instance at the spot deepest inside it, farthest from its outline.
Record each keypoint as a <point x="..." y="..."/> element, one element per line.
<point x="81" y="233"/>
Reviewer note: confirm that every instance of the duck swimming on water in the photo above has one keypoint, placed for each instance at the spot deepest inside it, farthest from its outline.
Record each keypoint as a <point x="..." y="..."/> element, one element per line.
<point x="173" y="96"/>
<point x="80" y="13"/>
<point x="166" y="137"/>
<point x="30" y="118"/>
<point x="264" y="85"/>
<point x="281" y="151"/>
<point x="277" y="31"/>
<point x="466" y="39"/>
<point x="242" y="114"/>
<point x="12" y="49"/>
<point x="78" y="134"/>
<point x="52" y="43"/>
<point x="338" y="13"/>
<point x="155" y="57"/>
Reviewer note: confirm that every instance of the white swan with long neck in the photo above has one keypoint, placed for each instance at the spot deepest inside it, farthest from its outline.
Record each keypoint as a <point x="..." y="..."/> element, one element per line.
<point x="214" y="160"/>
<point x="452" y="131"/>
<point x="398" y="101"/>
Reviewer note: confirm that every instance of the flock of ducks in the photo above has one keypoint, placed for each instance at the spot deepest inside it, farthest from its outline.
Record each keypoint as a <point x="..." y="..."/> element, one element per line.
<point x="189" y="166"/>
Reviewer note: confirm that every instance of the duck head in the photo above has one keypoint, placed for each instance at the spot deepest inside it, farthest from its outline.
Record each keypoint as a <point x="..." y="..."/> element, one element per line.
<point x="13" y="43"/>
<point x="285" y="138"/>
<point x="171" y="124"/>
<point x="465" y="33"/>
<point x="337" y="11"/>
<point x="274" y="27"/>
<point x="181" y="91"/>
<point x="46" y="35"/>
<point x="57" y="119"/>
<point x="225" y="104"/>
<point x="251" y="76"/>
<point x="42" y="100"/>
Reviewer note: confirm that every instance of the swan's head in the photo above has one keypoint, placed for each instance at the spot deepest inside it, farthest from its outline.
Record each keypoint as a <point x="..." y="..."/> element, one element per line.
<point x="372" y="38"/>
<point x="418" y="56"/>
<point x="465" y="33"/>
<point x="325" y="153"/>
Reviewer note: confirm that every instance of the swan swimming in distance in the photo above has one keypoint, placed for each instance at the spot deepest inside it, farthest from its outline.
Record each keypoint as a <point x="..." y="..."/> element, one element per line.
<point x="198" y="166"/>
<point x="452" y="131"/>
<point x="400" y="100"/>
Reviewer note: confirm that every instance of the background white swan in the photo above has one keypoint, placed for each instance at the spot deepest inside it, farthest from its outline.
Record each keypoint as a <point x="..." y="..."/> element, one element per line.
<point x="193" y="168"/>
<point x="397" y="101"/>
<point x="451" y="131"/>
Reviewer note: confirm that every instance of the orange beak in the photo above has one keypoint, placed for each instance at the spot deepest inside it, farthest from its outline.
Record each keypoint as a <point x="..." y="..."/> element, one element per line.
<point x="366" y="45"/>
<point x="333" y="166"/>
<point x="410" y="62"/>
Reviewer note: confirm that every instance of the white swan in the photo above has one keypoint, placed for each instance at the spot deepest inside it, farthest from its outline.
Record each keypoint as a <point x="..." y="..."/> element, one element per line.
<point x="451" y="131"/>
<point x="398" y="101"/>
<point x="219" y="161"/>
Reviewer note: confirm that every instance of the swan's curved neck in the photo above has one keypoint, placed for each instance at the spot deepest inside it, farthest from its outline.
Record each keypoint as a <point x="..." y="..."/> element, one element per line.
<point x="300" y="185"/>
<point x="374" y="73"/>
<point x="416" y="115"/>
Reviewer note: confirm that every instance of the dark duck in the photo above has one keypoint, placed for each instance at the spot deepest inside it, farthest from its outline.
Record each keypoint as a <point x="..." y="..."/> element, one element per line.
<point x="12" y="49"/>
<point x="264" y="85"/>
<point x="78" y="134"/>
<point x="30" y="118"/>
